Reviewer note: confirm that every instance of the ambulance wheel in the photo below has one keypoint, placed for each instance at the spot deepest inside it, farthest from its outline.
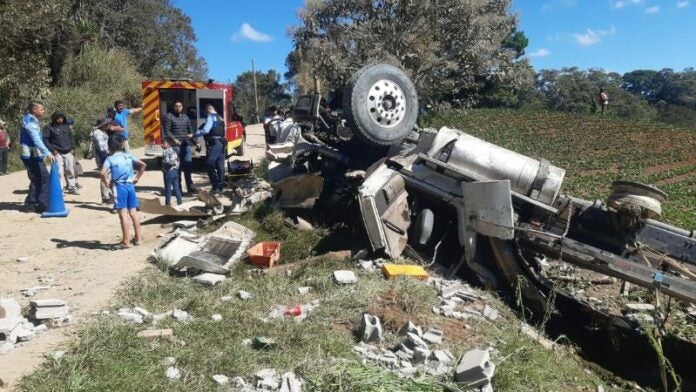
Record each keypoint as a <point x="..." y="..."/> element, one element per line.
<point x="381" y="104"/>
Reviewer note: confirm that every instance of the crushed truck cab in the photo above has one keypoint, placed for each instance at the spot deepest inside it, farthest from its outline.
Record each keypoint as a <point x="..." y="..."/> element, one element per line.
<point x="158" y="100"/>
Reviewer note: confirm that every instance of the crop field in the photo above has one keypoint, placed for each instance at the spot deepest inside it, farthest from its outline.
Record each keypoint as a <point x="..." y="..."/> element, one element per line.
<point x="595" y="151"/>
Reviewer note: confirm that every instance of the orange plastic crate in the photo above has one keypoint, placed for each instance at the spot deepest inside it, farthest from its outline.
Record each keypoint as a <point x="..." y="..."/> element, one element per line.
<point x="264" y="254"/>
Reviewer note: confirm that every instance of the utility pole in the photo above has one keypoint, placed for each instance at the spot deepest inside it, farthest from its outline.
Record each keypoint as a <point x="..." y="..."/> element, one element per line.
<point x="256" y="95"/>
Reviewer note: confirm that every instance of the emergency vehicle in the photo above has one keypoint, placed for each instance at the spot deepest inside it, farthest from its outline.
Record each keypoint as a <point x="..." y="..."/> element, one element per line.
<point x="158" y="100"/>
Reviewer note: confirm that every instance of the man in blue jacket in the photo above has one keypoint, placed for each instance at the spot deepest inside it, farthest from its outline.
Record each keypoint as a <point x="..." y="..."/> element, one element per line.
<point x="34" y="152"/>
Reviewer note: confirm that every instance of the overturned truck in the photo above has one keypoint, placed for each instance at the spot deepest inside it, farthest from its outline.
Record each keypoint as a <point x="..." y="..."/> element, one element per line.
<point x="417" y="187"/>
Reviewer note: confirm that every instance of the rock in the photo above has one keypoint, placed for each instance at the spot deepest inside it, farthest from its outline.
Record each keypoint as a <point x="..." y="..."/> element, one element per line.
<point x="370" y="329"/>
<point x="639" y="307"/>
<point x="216" y="317"/>
<point x="490" y="313"/>
<point x="154" y="334"/>
<point x="304" y="289"/>
<point x="244" y="295"/>
<point x="475" y="369"/>
<point x="168" y="361"/>
<point x="410" y="327"/>
<point x="345" y="277"/>
<point x="221" y="379"/>
<point x="443" y="356"/>
<point x="9" y="308"/>
<point x="414" y="341"/>
<point x="433" y="336"/>
<point x="181" y="315"/>
<point x="209" y="279"/>
<point x="173" y="373"/>
<point x="290" y="383"/>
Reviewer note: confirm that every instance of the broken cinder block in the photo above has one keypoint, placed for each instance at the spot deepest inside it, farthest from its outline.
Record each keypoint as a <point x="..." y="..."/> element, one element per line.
<point x="475" y="369"/>
<point x="433" y="336"/>
<point x="410" y="327"/>
<point x="370" y="329"/>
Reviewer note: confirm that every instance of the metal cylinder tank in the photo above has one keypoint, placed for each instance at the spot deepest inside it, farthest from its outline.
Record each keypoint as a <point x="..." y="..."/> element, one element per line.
<point x="536" y="179"/>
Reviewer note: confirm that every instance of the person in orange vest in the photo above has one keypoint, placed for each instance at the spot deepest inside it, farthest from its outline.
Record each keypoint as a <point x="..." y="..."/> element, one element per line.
<point x="603" y="99"/>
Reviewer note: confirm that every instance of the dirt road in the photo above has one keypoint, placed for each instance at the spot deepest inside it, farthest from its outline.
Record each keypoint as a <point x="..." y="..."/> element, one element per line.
<point x="71" y="255"/>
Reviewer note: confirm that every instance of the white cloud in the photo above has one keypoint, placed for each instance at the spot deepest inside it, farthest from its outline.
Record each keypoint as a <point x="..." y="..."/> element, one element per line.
<point x="541" y="52"/>
<point x="682" y="4"/>
<point x="652" y="10"/>
<point x="593" y="37"/>
<point x="623" y="3"/>
<point x="248" y="33"/>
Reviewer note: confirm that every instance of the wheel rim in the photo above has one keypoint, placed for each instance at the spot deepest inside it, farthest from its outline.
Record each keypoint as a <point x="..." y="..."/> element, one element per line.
<point x="386" y="103"/>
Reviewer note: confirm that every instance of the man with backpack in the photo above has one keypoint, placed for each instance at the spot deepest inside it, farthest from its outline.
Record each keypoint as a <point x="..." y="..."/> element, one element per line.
<point x="177" y="126"/>
<point x="213" y="131"/>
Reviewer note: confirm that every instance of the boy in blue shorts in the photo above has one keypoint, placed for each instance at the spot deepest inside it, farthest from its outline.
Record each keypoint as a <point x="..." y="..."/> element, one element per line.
<point x="120" y="167"/>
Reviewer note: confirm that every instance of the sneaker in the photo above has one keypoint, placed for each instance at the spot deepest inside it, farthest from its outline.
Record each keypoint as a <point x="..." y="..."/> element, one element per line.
<point x="73" y="191"/>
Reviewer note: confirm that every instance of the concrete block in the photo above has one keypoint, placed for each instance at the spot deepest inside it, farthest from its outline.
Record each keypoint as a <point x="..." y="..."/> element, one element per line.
<point x="410" y="327"/>
<point x="364" y="348"/>
<point x="9" y="308"/>
<point x="209" y="279"/>
<point x="414" y="341"/>
<point x="450" y="290"/>
<point x="221" y="379"/>
<point x="475" y="369"/>
<point x="244" y="295"/>
<point x="370" y="329"/>
<point x="433" y="336"/>
<point x="443" y="356"/>
<point x="345" y="277"/>
<point x="290" y="383"/>
<point x="49" y="312"/>
<point x="490" y="313"/>
<point x="420" y="355"/>
<point x="154" y="334"/>
<point x="404" y="354"/>
<point x="23" y="335"/>
<point x="173" y="373"/>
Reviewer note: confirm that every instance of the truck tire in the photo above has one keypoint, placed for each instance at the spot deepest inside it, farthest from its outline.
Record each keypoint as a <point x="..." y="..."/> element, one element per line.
<point x="381" y="104"/>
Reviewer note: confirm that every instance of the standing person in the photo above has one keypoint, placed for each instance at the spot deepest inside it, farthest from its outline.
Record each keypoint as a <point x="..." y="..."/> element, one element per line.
<point x="33" y="153"/>
<point x="120" y="167"/>
<point x="100" y="141"/>
<point x="58" y="138"/>
<point x="603" y="99"/>
<point x="213" y="131"/>
<point x="170" y="169"/>
<point x="4" y="148"/>
<point x="121" y="116"/>
<point x="177" y="126"/>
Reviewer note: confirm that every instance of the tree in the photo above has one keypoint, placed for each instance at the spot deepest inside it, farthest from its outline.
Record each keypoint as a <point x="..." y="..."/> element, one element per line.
<point x="270" y="92"/>
<point x="450" y="48"/>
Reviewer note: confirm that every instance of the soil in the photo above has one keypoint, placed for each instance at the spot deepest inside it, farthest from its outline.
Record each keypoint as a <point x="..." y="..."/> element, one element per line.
<point x="650" y="170"/>
<point x="675" y="179"/>
<point x="72" y="256"/>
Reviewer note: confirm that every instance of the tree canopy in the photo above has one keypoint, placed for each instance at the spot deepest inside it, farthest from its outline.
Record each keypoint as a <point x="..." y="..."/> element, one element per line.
<point x="270" y="92"/>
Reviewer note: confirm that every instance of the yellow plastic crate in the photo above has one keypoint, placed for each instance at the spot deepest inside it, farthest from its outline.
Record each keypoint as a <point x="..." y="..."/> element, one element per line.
<point x="396" y="270"/>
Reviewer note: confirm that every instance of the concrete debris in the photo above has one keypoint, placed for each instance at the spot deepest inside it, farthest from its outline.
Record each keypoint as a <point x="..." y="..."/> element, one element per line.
<point x="143" y="312"/>
<point x="129" y="315"/>
<point x="475" y="369"/>
<point x="640" y="318"/>
<point x="181" y="315"/>
<point x="388" y="358"/>
<point x="304" y="289"/>
<point x="436" y="368"/>
<point x="209" y="279"/>
<point x="363" y="348"/>
<point x="48" y="309"/>
<point x="600" y="388"/>
<point x="414" y="341"/>
<point x="299" y="224"/>
<point x="216" y="317"/>
<point x="345" y="277"/>
<point x="168" y="361"/>
<point x="490" y="313"/>
<point x="226" y="298"/>
<point x="420" y="355"/>
<point x="30" y="292"/>
<point x="367" y="265"/>
<point x="290" y="383"/>
<point x="244" y="295"/>
<point x="410" y="327"/>
<point x="266" y="379"/>
<point x="221" y="379"/>
<point x="636" y="307"/>
<point x="216" y="252"/>
<point x="404" y="353"/>
<point x="443" y="356"/>
<point x="247" y="342"/>
<point x="173" y="373"/>
<point x="161" y="316"/>
<point x="536" y="336"/>
<point x="432" y="336"/>
<point x="370" y="329"/>
<point x="155" y="334"/>
<point x="40" y="328"/>
<point x="238" y="382"/>
<point x="58" y="354"/>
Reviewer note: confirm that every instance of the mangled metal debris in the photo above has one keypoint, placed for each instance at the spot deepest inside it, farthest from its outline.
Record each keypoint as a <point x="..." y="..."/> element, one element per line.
<point x="248" y="192"/>
<point x="215" y="253"/>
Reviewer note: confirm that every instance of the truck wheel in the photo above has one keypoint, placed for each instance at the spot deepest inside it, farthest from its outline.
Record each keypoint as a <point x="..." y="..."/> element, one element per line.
<point x="381" y="104"/>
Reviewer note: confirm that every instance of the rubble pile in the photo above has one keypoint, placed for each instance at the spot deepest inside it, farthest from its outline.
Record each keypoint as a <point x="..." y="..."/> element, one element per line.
<point x="459" y="301"/>
<point x="15" y="328"/>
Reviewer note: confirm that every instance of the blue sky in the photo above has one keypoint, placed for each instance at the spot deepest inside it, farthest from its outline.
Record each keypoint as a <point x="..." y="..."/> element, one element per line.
<point x="616" y="35"/>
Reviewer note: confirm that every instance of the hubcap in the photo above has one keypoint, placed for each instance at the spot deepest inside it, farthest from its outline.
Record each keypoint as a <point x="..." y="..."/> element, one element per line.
<point x="386" y="103"/>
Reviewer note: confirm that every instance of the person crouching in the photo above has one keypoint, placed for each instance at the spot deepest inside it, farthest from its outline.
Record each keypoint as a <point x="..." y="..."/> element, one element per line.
<point x="120" y="167"/>
<point x="170" y="168"/>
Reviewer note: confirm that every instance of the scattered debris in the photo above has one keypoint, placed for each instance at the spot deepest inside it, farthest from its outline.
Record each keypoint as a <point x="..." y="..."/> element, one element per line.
<point x="181" y="315"/>
<point x="244" y="295"/>
<point x="297" y="312"/>
<point x="48" y="309"/>
<point x="432" y="336"/>
<point x="30" y="292"/>
<point x="304" y="289"/>
<point x="264" y="254"/>
<point x="412" y="328"/>
<point x="290" y="383"/>
<point x="395" y="270"/>
<point x="155" y="334"/>
<point x="475" y="369"/>
<point x="370" y="329"/>
<point x="299" y="223"/>
<point x="290" y="268"/>
<point x="216" y="317"/>
<point x="490" y="313"/>
<point x="226" y="298"/>
<point x="143" y="312"/>
<point x="247" y="193"/>
<point x="443" y="356"/>
<point x="221" y="379"/>
<point x="345" y="277"/>
<point x="128" y="314"/>
<point x="267" y="380"/>
<point x="209" y="279"/>
<point x="173" y="373"/>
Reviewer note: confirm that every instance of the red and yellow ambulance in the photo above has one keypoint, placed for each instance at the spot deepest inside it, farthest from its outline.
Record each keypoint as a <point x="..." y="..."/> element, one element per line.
<point x="158" y="100"/>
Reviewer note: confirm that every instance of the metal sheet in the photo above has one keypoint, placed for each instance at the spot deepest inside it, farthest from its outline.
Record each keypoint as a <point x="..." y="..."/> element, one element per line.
<point x="488" y="208"/>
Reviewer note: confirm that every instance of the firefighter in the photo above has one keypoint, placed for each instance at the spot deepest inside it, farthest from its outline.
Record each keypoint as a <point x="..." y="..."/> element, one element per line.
<point x="213" y="131"/>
